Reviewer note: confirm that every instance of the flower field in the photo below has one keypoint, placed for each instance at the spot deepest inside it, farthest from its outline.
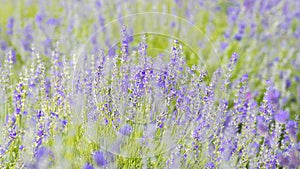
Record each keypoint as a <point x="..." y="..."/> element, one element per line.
<point x="149" y="84"/>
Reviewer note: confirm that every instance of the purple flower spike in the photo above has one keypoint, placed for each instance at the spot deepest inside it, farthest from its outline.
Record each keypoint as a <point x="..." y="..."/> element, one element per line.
<point x="126" y="129"/>
<point x="261" y="126"/>
<point x="99" y="158"/>
<point x="10" y="25"/>
<point x="249" y="4"/>
<point x="39" y="114"/>
<point x="227" y="35"/>
<point x="14" y="56"/>
<point x="233" y="12"/>
<point x="43" y="152"/>
<point x="54" y="114"/>
<point x="53" y="21"/>
<point x="87" y="166"/>
<point x="210" y="165"/>
<point x="255" y="146"/>
<point x="25" y="113"/>
<point x="227" y="121"/>
<point x="39" y="18"/>
<point x="238" y="37"/>
<point x="292" y="128"/>
<point x="173" y="24"/>
<point x="224" y="45"/>
<point x="273" y="96"/>
<point x="245" y="77"/>
<point x="283" y="160"/>
<point x="288" y="83"/>
<point x="297" y="78"/>
<point x="282" y="116"/>
<point x="13" y="134"/>
<point x="64" y="122"/>
<point x="3" y="45"/>
<point x="294" y="159"/>
<point x="98" y="3"/>
<point x="21" y="147"/>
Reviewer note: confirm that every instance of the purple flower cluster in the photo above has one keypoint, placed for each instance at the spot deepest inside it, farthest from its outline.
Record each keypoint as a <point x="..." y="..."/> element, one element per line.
<point x="154" y="95"/>
<point x="246" y="134"/>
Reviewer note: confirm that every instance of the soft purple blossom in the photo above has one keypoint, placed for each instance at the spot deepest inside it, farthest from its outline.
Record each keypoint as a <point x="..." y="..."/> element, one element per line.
<point x="288" y="83"/>
<point x="292" y="129"/>
<point x="43" y="152"/>
<point x="99" y="158"/>
<point x="10" y="25"/>
<point x="39" y="17"/>
<point x="210" y="165"/>
<point x="53" y="21"/>
<point x="282" y="116"/>
<point x="3" y="45"/>
<point x="249" y="4"/>
<point x="273" y="96"/>
<point x="87" y="166"/>
<point x="238" y="37"/>
<point x="77" y="100"/>
<point x="262" y="125"/>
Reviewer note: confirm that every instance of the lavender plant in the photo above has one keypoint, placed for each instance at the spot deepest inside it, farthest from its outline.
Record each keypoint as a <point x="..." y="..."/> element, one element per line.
<point x="190" y="84"/>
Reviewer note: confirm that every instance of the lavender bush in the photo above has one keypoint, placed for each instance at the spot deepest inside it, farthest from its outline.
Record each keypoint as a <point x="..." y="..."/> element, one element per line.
<point x="136" y="84"/>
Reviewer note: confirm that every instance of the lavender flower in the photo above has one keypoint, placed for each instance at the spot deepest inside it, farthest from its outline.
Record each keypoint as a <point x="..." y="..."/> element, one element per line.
<point x="262" y="127"/>
<point x="75" y="100"/>
<point x="282" y="116"/>
<point x="210" y="165"/>
<point x="39" y="17"/>
<point x="3" y="45"/>
<point x="99" y="158"/>
<point x="238" y="37"/>
<point x="87" y="166"/>
<point x="273" y="96"/>
<point x="10" y="25"/>
<point x="126" y="129"/>
<point x="292" y="129"/>
<point x="53" y="21"/>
